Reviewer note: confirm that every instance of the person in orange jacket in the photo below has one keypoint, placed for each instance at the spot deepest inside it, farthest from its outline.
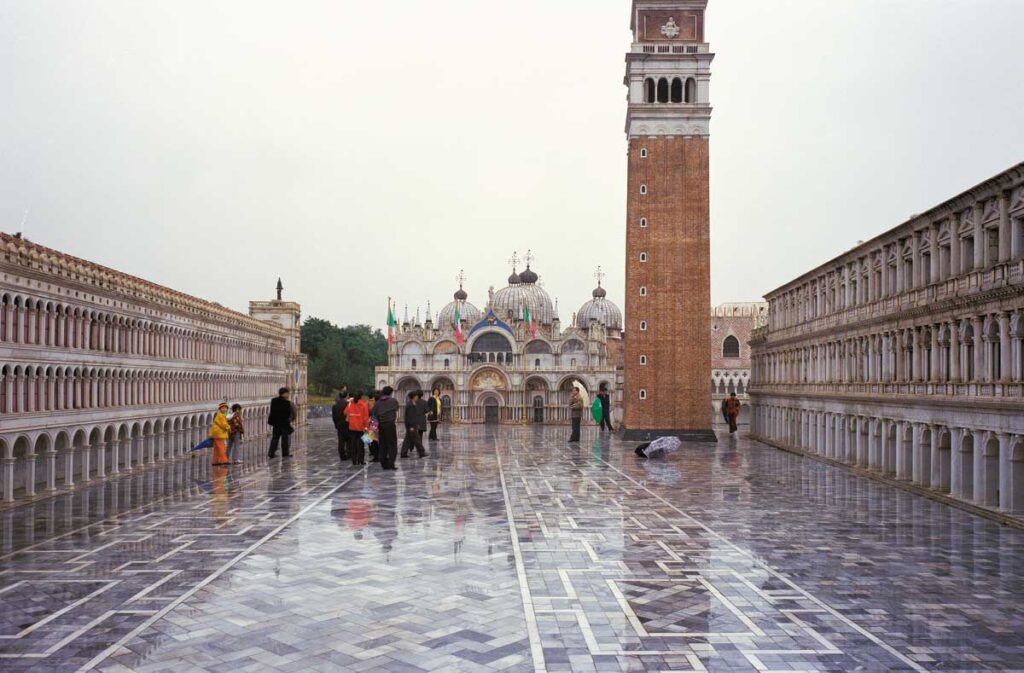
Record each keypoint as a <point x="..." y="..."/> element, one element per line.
<point x="220" y="430"/>
<point x="357" y="413"/>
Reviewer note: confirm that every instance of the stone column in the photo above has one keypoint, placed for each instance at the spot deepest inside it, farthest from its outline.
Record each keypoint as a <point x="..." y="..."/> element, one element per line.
<point x="86" y="467"/>
<point x="30" y="475"/>
<point x="873" y="448"/>
<point x="935" y="355"/>
<point x="954" y="352"/>
<point x="115" y="462"/>
<point x="954" y="247"/>
<point x="8" y="464"/>
<point x="903" y="470"/>
<point x="1005" y="349"/>
<point x="862" y="441"/>
<point x="918" y="472"/>
<point x="1004" y="227"/>
<point x="69" y="467"/>
<point x="979" y="238"/>
<point x="979" y="349"/>
<point x="933" y="251"/>
<point x="915" y="355"/>
<point x="1007" y="485"/>
<point x="51" y="469"/>
<point x="101" y="459"/>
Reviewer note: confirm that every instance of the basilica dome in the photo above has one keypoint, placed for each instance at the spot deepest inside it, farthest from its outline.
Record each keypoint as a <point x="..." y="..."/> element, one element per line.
<point x="599" y="308"/>
<point x="514" y="299"/>
<point x="469" y="313"/>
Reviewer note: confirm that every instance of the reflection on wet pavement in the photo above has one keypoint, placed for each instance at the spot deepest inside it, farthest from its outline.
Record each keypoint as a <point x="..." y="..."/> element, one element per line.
<point x="727" y="557"/>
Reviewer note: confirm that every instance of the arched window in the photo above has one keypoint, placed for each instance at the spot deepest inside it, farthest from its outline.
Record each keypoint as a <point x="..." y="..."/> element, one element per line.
<point x="649" y="95"/>
<point x="414" y="363"/>
<point x="662" y="90"/>
<point x="731" y="347"/>
<point x="691" y="90"/>
<point x="536" y="363"/>
<point x="447" y="363"/>
<point x="677" y="90"/>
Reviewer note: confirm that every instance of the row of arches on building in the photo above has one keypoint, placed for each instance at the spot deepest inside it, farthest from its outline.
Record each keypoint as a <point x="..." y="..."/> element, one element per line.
<point x="494" y="348"/>
<point x="38" y="322"/>
<point x="670" y="90"/>
<point x="973" y="465"/>
<point x="977" y="348"/>
<point x="41" y="388"/>
<point x="727" y="383"/>
<point x="45" y="461"/>
<point x="536" y="401"/>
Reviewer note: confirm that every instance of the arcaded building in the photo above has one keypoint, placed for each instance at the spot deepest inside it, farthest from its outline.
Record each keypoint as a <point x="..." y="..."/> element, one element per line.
<point x="668" y="286"/>
<point x="905" y="355"/>
<point x="731" y="327"/>
<point x="102" y="372"/>
<point x="513" y="361"/>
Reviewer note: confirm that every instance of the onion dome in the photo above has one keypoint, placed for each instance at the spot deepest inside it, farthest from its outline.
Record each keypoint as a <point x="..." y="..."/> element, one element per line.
<point x="460" y="295"/>
<point x="515" y="278"/>
<point x="602" y="310"/>
<point x="528" y="276"/>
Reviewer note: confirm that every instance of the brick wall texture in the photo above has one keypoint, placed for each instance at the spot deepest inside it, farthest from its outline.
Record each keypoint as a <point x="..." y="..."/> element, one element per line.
<point x="676" y="274"/>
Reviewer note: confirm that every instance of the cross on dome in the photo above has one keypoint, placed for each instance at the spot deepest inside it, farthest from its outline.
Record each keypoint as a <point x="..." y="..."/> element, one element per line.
<point x="599" y="275"/>
<point x="461" y="278"/>
<point x="529" y="258"/>
<point x="515" y="260"/>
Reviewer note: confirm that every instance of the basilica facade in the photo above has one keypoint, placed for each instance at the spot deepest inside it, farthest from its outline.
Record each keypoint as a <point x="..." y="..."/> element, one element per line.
<point x="511" y="361"/>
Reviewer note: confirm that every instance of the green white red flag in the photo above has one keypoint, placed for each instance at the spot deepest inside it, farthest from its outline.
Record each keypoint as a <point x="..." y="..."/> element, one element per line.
<point x="391" y="325"/>
<point x="458" y="326"/>
<point x="530" y="325"/>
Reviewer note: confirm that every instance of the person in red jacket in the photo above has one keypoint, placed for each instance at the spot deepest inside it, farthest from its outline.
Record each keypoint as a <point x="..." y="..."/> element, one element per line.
<point x="731" y="407"/>
<point x="358" y="415"/>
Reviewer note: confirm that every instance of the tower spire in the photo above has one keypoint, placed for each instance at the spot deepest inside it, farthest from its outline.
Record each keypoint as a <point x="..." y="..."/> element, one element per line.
<point x="280" y="288"/>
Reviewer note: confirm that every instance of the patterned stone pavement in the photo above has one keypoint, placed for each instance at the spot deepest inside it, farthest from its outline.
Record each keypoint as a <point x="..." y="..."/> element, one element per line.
<point x="727" y="557"/>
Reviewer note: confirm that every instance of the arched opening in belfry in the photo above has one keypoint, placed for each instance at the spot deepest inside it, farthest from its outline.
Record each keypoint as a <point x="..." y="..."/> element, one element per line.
<point x="662" y="90"/>
<point x="677" y="90"/>
<point x="650" y="95"/>
<point x="691" y="90"/>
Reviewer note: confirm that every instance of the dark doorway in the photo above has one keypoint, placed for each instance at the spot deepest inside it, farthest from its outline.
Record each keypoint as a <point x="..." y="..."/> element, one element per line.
<point x="491" y="412"/>
<point x="538" y="409"/>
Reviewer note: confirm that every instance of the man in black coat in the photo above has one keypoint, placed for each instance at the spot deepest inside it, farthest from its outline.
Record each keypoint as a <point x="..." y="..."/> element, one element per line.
<point x="386" y="411"/>
<point x="341" y="423"/>
<point x="415" y="424"/>
<point x="282" y="413"/>
<point x="606" y="408"/>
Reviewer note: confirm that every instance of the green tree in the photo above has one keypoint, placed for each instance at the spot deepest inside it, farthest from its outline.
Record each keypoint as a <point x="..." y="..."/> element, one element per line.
<point x="340" y="355"/>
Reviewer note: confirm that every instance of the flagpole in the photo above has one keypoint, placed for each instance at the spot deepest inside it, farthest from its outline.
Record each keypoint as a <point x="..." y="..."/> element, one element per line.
<point x="389" y="342"/>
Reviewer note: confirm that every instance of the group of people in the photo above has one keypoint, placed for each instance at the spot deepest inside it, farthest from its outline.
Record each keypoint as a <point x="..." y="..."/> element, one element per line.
<point x="371" y="423"/>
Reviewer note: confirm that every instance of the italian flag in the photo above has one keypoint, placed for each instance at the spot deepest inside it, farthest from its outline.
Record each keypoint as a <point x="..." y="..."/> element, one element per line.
<point x="391" y="325"/>
<point x="529" y="323"/>
<point x="458" y="326"/>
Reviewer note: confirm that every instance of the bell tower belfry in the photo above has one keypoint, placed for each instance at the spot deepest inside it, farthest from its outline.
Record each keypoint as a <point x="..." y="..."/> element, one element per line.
<point x="668" y="258"/>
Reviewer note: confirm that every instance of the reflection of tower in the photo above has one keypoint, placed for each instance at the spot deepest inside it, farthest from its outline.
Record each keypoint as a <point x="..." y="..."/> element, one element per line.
<point x="668" y="295"/>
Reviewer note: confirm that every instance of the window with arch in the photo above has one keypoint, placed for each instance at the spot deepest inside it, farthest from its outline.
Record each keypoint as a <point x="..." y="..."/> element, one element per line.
<point x="643" y="359"/>
<point x="643" y="153"/>
<point x="643" y="189"/>
<point x="731" y="347"/>
<point x="691" y="90"/>
<point x="662" y="90"/>
<point x="414" y="363"/>
<point x="643" y="256"/>
<point x="677" y="90"/>
<point x="643" y="394"/>
<point x="643" y="291"/>
<point x="649" y="94"/>
<point x="643" y="325"/>
<point x="536" y="363"/>
<point x="643" y="222"/>
<point x="447" y="363"/>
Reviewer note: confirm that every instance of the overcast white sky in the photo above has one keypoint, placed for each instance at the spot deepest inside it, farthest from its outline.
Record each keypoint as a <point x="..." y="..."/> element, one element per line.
<point x="360" y="149"/>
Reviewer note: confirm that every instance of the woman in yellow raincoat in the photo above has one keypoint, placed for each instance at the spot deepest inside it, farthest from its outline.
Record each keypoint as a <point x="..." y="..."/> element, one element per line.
<point x="219" y="433"/>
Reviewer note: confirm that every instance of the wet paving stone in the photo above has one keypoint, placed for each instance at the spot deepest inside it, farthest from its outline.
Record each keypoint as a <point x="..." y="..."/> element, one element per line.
<point x="507" y="550"/>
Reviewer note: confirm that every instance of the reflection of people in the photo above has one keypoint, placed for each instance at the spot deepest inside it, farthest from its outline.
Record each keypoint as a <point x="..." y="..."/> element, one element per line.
<point x="731" y="407"/>
<point x="219" y="493"/>
<point x="385" y="529"/>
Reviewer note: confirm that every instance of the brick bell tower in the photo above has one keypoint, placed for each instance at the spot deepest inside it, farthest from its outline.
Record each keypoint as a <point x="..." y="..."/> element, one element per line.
<point x="668" y="256"/>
